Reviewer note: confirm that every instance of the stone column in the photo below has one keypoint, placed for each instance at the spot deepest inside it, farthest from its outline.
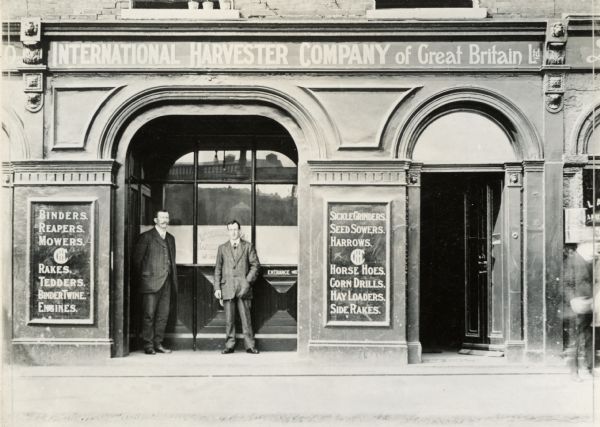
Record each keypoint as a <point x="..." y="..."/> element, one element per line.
<point x="414" y="259"/>
<point x="534" y="314"/>
<point x="513" y="236"/>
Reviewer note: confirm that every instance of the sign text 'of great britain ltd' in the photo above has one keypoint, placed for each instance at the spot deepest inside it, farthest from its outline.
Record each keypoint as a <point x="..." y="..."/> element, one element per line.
<point x="61" y="262"/>
<point x="304" y="55"/>
<point x="357" y="285"/>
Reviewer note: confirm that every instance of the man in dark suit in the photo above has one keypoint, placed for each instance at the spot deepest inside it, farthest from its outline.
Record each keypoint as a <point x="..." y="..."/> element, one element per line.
<point x="235" y="270"/>
<point x="154" y="264"/>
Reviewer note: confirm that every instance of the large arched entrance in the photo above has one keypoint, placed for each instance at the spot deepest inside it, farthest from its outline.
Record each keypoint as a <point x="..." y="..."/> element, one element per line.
<point x="463" y="153"/>
<point x="474" y="167"/>
<point x="207" y="170"/>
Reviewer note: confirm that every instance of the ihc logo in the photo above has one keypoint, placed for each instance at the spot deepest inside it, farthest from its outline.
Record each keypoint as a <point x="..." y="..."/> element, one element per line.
<point x="358" y="256"/>
<point x="60" y="256"/>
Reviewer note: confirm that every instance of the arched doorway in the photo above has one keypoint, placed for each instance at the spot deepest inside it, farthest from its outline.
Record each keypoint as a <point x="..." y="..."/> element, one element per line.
<point x="463" y="152"/>
<point x="207" y="170"/>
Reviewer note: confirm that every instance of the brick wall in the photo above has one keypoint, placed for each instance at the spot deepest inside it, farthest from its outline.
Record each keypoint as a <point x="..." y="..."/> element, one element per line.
<point x="281" y="9"/>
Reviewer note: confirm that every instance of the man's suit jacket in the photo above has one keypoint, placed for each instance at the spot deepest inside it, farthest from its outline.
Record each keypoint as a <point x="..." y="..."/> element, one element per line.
<point x="236" y="272"/>
<point x="153" y="258"/>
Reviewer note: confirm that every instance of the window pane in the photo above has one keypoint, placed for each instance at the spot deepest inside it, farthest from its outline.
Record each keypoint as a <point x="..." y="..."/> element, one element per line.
<point x="277" y="224"/>
<point x="274" y="166"/>
<point x="388" y="4"/>
<point x="217" y="205"/>
<point x="221" y="165"/>
<point x="594" y="143"/>
<point x="178" y="200"/>
<point x="463" y="137"/>
<point x="183" y="168"/>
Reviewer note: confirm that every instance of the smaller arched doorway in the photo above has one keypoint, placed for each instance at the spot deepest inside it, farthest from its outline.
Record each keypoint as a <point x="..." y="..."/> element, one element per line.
<point x="206" y="171"/>
<point x="463" y="244"/>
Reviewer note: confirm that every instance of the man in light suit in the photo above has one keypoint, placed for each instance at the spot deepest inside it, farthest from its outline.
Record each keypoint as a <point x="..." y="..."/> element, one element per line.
<point x="235" y="270"/>
<point x="154" y="264"/>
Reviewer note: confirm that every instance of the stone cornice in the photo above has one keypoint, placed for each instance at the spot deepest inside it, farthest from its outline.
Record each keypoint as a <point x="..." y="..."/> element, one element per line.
<point x="533" y="165"/>
<point x="358" y="172"/>
<point x="64" y="172"/>
<point x="583" y="25"/>
<point x="529" y="29"/>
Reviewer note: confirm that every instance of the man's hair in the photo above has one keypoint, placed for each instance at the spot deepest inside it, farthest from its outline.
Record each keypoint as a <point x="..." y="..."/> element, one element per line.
<point x="234" y="222"/>
<point x="159" y="210"/>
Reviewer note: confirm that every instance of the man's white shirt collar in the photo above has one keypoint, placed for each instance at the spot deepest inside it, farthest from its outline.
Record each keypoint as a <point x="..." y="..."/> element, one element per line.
<point x="235" y="243"/>
<point x="162" y="233"/>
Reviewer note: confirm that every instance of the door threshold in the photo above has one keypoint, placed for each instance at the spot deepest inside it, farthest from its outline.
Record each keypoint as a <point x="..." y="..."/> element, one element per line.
<point x="476" y="352"/>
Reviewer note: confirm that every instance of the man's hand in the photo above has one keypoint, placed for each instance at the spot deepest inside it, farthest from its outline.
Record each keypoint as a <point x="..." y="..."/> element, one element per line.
<point x="218" y="294"/>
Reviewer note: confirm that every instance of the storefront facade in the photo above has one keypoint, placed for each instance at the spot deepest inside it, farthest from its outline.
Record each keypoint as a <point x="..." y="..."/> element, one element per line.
<point x="404" y="183"/>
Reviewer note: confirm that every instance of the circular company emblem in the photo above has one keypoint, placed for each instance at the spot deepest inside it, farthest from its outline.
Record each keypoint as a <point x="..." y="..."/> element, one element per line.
<point x="60" y="255"/>
<point x="358" y="256"/>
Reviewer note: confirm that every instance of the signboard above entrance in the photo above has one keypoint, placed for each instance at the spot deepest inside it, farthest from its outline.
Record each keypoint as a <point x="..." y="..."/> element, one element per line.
<point x="162" y="55"/>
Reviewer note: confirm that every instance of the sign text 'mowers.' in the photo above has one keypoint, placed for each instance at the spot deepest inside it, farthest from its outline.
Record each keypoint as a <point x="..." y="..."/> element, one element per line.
<point x="311" y="55"/>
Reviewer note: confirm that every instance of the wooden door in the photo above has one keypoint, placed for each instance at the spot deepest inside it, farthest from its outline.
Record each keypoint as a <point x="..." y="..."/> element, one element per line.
<point x="483" y="263"/>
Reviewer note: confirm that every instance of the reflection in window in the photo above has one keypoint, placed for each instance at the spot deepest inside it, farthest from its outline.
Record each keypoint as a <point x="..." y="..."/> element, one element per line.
<point x="183" y="168"/>
<point x="277" y="223"/>
<point x="463" y="137"/>
<point x="274" y="166"/>
<point x="220" y="165"/>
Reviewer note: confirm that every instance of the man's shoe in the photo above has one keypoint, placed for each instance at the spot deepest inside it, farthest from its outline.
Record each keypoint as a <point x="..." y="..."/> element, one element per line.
<point x="149" y="351"/>
<point x="252" y="351"/>
<point x="160" y="349"/>
<point x="227" y="351"/>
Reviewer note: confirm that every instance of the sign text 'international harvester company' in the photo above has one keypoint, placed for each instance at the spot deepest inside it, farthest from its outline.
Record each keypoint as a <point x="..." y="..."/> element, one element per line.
<point x="357" y="264"/>
<point x="61" y="262"/>
<point x="290" y="55"/>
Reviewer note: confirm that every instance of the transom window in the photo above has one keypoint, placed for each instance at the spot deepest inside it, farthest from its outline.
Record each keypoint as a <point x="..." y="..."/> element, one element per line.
<point x="209" y="179"/>
<point x="165" y="4"/>
<point x="400" y="4"/>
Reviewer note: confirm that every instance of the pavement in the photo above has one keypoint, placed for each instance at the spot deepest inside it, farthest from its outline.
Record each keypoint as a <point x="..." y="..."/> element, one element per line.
<point x="188" y="388"/>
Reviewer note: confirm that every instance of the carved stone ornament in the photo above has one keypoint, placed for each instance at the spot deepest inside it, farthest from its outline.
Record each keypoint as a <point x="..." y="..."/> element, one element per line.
<point x="555" y="54"/>
<point x="32" y="55"/>
<point x="33" y="82"/>
<point x="514" y="178"/>
<point x="555" y="83"/>
<point x="31" y="31"/>
<point x="554" y="102"/>
<point x="413" y="178"/>
<point x="558" y="30"/>
<point x="31" y="37"/>
<point x="35" y="101"/>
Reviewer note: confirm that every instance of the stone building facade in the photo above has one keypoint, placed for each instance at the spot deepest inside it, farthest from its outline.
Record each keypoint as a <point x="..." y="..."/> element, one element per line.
<point x="409" y="176"/>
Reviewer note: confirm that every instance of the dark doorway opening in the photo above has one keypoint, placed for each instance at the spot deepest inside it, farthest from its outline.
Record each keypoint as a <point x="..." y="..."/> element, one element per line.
<point x="461" y="261"/>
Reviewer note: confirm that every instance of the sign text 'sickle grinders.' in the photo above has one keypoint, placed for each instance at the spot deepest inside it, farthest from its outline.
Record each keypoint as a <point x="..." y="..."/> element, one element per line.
<point x="357" y="264"/>
<point x="61" y="262"/>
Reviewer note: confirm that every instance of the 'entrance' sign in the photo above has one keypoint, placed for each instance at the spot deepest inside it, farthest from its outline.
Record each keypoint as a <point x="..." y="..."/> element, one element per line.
<point x="61" y="262"/>
<point x="357" y="264"/>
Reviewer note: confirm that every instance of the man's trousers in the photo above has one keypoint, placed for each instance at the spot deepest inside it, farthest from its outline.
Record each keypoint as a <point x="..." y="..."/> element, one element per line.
<point x="243" y="306"/>
<point x="155" y="306"/>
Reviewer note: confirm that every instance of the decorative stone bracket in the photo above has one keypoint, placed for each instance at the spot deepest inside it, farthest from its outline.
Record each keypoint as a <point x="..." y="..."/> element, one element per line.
<point x="31" y="37"/>
<point x="554" y="84"/>
<point x="554" y="88"/>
